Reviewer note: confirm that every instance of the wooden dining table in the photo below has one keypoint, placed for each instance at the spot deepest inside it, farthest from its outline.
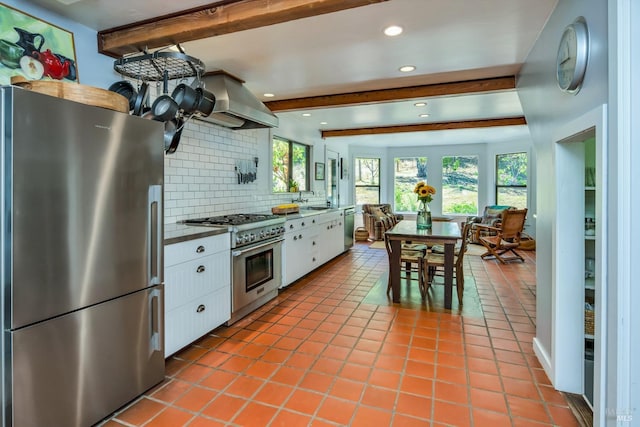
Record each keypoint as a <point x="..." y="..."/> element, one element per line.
<point x="446" y="233"/>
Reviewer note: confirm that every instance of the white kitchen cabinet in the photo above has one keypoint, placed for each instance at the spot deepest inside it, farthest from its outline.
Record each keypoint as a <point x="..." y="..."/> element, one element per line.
<point x="331" y="236"/>
<point x="336" y="233"/>
<point x="310" y="242"/>
<point x="315" y="240"/>
<point x="197" y="279"/>
<point x="298" y="246"/>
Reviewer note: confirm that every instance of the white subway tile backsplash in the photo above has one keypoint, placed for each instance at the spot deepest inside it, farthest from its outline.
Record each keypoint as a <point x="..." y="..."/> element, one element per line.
<point x="200" y="178"/>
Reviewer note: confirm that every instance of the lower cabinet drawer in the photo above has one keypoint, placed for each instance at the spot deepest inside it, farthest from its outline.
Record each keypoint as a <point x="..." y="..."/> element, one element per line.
<point x="192" y="249"/>
<point x="193" y="279"/>
<point x="187" y="323"/>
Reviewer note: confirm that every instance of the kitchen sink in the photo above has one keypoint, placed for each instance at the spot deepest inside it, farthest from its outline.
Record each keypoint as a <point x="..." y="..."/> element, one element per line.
<point x="315" y="208"/>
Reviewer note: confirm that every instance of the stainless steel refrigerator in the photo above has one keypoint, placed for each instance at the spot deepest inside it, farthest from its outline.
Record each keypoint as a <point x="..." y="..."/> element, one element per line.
<point x="80" y="261"/>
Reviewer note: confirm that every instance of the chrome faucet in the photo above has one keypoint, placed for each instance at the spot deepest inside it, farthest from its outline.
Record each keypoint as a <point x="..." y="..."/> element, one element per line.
<point x="299" y="199"/>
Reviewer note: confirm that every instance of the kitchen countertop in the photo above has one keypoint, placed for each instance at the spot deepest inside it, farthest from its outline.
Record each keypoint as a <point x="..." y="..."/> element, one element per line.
<point x="176" y="233"/>
<point x="310" y="212"/>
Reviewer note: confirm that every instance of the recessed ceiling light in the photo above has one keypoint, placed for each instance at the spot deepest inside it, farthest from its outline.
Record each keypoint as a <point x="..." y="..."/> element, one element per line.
<point x="306" y="114"/>
<point x="324" y="123"/>
<point x="268" y="95"/>
<point x="407" y="68"/>
<point x="420" y="104"/>
<point x="393" y="30"/>
<point x="423" y="115"/>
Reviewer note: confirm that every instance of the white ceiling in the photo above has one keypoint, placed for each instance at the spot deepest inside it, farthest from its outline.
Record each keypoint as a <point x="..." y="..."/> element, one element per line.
<point x="447" y="40"/>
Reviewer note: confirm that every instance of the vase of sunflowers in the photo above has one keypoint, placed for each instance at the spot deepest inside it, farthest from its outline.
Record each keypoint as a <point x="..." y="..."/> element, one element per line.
<point x="425" y="194"/>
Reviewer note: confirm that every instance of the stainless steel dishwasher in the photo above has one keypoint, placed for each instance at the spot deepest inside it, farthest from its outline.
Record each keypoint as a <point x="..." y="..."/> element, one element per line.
<point x="349" y="215"/>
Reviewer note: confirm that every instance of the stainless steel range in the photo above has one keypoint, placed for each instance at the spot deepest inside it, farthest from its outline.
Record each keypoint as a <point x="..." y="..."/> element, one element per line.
<point x="256" y="258"/>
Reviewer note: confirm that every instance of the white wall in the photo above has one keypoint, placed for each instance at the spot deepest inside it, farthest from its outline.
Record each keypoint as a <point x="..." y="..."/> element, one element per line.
<point x="547" y="109"/>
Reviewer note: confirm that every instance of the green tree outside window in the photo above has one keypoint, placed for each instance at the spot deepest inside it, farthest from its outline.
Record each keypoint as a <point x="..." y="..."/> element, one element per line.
<point x="290" y="166"/>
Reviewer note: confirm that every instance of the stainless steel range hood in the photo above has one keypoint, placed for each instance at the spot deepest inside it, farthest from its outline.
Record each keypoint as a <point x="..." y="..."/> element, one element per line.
<point x="235" y="107"/>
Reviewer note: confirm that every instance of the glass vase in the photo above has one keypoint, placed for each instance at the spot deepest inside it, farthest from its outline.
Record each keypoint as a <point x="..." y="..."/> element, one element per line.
<point x="423" y="218"/>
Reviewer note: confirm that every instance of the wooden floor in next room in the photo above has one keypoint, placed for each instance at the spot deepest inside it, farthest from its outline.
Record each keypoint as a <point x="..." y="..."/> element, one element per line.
<point x="332" y="350"/>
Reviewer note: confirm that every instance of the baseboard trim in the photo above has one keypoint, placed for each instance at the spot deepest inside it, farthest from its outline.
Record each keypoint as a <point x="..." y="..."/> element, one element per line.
<point x="543" y="358"/>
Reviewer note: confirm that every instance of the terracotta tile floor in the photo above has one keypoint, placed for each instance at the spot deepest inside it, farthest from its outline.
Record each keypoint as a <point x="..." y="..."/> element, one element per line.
<point x="332" y="350"/>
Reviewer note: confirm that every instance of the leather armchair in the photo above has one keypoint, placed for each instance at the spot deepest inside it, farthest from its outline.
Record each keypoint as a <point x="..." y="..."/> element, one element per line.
<point x="378" y="218"/>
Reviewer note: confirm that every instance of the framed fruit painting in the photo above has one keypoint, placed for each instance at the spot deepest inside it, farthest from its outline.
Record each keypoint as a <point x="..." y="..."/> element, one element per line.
<point x="34" y="49"/>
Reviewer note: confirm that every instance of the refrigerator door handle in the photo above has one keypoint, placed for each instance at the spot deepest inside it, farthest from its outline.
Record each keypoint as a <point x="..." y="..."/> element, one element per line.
<point x="154" y="233"/>
<point x="155" y="321"/>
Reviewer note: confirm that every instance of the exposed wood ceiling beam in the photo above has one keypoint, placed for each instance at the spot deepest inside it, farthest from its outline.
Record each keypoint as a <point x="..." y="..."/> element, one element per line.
<point x="214" y="20"/>
<point x="425" y="127"/>
<point x="395" y="94"/>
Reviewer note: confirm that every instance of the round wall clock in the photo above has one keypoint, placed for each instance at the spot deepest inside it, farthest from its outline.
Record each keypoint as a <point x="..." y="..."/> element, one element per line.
<point x="573" y="53"/>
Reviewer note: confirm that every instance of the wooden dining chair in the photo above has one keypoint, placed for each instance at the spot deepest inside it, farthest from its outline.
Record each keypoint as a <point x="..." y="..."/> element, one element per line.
<point x="433" y="263"/>
<point x="412" y="257"/>
<point x="439" y="248"/>
<point x="507" y="237"/>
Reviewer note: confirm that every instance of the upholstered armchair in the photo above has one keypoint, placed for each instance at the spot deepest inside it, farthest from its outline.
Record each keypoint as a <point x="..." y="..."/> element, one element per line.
<point x="485" y="225"/>
<point x="378" y="218"/>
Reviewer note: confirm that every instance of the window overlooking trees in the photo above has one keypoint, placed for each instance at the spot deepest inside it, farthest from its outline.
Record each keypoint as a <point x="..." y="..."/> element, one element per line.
<point x="407" y="173"/>
<point x="290" y="166"/>
<point x="460" y="185"/>
<point x="367" y="180"/>
<point x="511" y="179"/>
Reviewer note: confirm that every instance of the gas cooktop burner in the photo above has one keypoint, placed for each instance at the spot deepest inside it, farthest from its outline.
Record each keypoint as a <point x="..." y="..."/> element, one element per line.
<point x="235" y="219"/>
<point x="246" y="229"/>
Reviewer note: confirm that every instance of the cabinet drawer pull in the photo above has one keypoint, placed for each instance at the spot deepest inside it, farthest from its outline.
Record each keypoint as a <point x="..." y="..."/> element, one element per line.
<point x="200" y="269"/>
<point x="200" y="308"/>
<point x="200" y="249"/>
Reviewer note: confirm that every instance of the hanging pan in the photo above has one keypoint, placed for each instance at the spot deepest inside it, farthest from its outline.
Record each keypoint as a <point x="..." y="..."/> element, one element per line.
<point x="172" y="133"/>
<point x="141" y="99"/>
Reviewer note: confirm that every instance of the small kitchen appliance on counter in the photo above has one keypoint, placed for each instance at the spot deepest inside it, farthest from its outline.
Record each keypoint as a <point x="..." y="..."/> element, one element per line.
<point x="256" y="258"/>
<point x="81" y="260"/>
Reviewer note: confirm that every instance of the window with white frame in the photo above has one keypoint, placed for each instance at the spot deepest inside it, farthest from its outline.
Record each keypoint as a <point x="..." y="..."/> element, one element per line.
<point x="511" y="179"/>
<point x="407" y="172"/>
<point x="366" y="174"/>
<point x="460" y="185"/>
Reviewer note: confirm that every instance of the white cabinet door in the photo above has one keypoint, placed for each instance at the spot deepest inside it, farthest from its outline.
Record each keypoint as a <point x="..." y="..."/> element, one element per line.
<point x="337" y="236"/>
<point x="297" y="253"/>
<point x="194" y="319"/>
<point x="197" y="278"/>
<point x="315" y="254"/>
<point x="331" y="235"/>
<point x="310" y="242"/>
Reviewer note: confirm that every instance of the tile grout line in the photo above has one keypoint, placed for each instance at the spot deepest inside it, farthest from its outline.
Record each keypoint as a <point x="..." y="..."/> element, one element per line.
<point x="528" y="365"/>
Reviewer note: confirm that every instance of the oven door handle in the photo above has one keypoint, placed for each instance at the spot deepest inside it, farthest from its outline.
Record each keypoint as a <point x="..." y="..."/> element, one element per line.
<point x="253" y="248"/>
